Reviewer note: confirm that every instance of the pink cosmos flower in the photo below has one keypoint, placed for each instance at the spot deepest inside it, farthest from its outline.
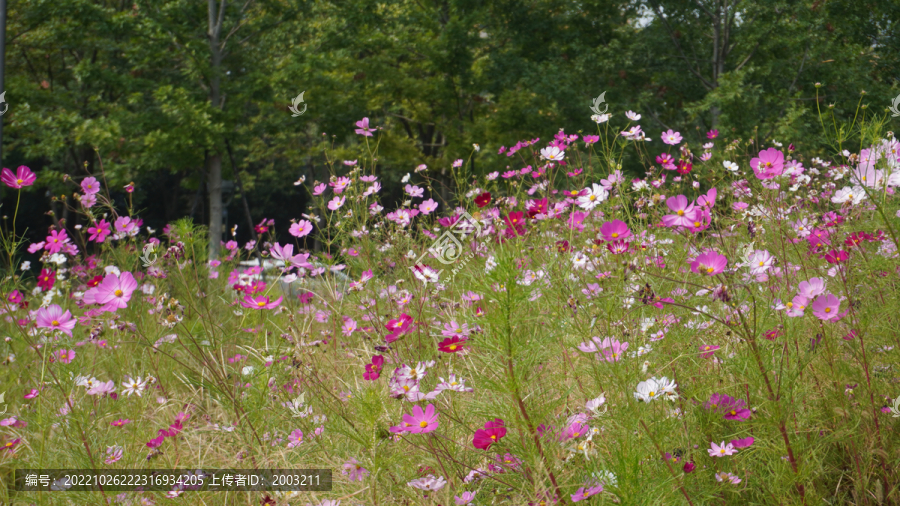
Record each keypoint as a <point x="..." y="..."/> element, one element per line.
<point x="354" y="470"/>
<point x="22" y="178"/>
<point x="576" y="220"/>
<point x="797" y="306"/>
<point x="64" y="356"/>
<point x="420" y="422"/>
<point x="613" y="230"/>
<point x="341" y="184"/>
<point x="466" y="498"/>
<point x="615" y="350"/>
<point x="363" y="127"/>
<point x="56" y="241"/>
<point x="349" y="326"/>
<point x="722" y="476"/>
<point x="671" y="137"/>
<point x="33" y="392"/>
<point x="125" y="225"/>
<point x="742" y="443"/>
<point x="336" y="203"/>
<point x="769" y="164"/>
<point x="52" y="317"/>
<point x="585" y="492"/>
<point x="99" y="231"/>
<point x="113" y="293"/>
<point x="710" y="263"/>
<point x="709" y="199"/>
<point x="319" y="189"/>
<point x="286" y="255"/>
<point x="90" y="186"/>
<point x="428" y="206"/>
<point x="301" y="228"/>
<point x="295" y="439"/>
<point x="812" y="288"/>
<point x="102" y="388"/>
<point x="826" y="307"/>
<point x="707" y="350"/>
<point x="492" y="433"/>
<point x="260" y="302"/>
<point x="684" y="212"/>
<point x="721" y="449"/>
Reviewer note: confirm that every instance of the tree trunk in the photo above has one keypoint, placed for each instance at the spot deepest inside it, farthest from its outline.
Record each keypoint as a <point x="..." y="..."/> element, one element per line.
<point x="214" y="176"/>
<point x="215" y="204"/>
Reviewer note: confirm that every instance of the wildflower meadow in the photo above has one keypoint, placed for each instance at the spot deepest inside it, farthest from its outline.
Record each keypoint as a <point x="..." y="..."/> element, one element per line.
<point x="721" y="328"/>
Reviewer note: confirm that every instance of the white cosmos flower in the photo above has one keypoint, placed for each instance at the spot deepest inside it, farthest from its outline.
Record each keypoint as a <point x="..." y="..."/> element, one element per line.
<point x="647" y="390"/>
<point x="593" y="197"/>
<point x="552" y="153"/>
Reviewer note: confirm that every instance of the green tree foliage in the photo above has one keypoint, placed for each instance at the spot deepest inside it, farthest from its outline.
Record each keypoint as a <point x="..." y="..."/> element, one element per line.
<point x="175" y="94"/>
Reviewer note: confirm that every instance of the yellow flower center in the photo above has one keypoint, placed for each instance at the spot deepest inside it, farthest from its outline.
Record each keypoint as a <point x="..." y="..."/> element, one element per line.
<point x="722" y="451"/>
<point x="762" y="263"/>
<point x="452" y="347"/>
<point x="615" y="234"/>
<point x="54" y="323"/>
<point x="19" y="181"/>
<point x="709" y="270"/>
<point x="261" y="303"/>
<point x="118" y="293"/>
<point x="423" y="424"/>
<point x="680" y="213"/>
<point x="827" y="309"/>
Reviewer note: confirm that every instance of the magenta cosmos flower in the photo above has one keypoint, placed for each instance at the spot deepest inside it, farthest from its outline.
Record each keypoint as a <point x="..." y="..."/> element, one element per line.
<point x="684" y="212"/>
<point x="614" y="230"/>
<point x="769" y="164"/>
<point x="301" y="228"/>
<point x="52" y="317"/>
<point x="56" y="241"/>
<point x="99" y="231"/>
<point x="419" y="422"/>
<point x="826" y="307"/>
<point x="22" y="178"/>
<point x="492" y="433"/>
<point x="260" y="302"/>
<point x="710" y="263"/>
<point x="363" y="127"/>
<point x="113" y="293"/>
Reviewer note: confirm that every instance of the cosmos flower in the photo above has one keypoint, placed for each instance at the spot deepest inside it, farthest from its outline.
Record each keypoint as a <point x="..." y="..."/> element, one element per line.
<point x="52" y="317"/>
